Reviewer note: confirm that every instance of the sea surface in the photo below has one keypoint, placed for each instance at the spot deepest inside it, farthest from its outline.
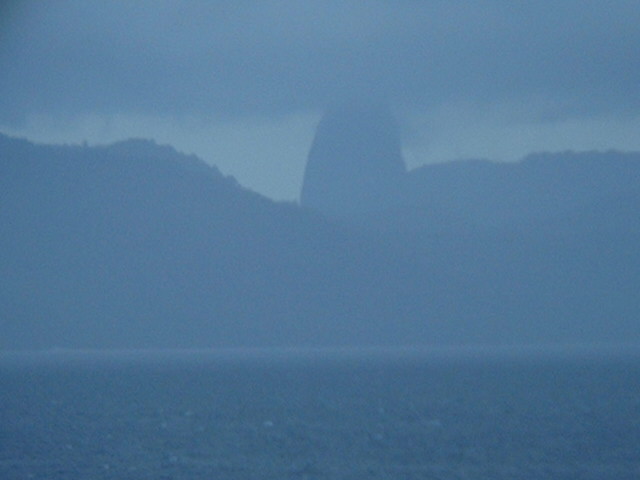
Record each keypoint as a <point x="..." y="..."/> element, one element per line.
<point x="322" y="414"/>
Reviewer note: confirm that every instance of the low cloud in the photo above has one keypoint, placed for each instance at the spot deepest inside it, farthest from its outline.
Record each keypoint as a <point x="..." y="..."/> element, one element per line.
<point x="242" y="84"/>
<point x="226" y="59"/>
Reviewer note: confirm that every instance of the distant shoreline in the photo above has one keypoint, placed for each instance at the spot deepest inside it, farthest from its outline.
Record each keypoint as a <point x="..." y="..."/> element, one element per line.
<point x="429" y="354"/>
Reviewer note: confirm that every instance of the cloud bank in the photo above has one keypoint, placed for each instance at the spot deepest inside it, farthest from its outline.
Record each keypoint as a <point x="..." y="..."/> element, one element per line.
<point x="488" y="78"/>
<point x="274" y="57"/>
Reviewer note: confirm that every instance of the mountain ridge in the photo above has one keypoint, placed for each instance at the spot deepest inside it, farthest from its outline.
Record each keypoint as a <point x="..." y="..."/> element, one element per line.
<point x="139" y="246"/>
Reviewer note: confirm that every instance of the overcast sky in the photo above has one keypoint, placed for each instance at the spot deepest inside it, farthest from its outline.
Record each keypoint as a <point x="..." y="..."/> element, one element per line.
<point x="243" y="83"/>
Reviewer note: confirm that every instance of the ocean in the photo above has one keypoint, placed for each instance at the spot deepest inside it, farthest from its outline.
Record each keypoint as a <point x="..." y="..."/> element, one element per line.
<point x="322" y="414"/>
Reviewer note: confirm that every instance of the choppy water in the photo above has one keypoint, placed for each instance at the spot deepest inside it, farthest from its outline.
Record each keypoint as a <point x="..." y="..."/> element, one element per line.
<point x="455" y="415"/>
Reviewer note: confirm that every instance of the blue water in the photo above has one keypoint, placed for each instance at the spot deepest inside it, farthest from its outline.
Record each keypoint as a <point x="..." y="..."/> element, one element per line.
<point x="456" y="414"/>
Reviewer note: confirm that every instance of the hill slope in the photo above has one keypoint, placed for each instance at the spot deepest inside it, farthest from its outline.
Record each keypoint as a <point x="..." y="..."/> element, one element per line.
<point x="136" y="245"/>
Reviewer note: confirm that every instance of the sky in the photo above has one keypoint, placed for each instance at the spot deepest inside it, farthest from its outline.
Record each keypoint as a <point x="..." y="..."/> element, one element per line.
<point x="243" y="83"/>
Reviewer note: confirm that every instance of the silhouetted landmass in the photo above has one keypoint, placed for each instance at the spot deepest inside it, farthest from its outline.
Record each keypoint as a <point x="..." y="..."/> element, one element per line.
<point x="137" y="245"/>
<point x="355" y="163"/>
<point x="540" y="187"/>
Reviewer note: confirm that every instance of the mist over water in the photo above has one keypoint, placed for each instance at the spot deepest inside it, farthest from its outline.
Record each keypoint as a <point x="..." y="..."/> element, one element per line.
<point x="454" y="296"/>
<point x="309" y="355"/>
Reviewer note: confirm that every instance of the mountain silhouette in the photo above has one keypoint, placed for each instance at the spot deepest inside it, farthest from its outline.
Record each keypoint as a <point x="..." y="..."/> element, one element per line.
<point x="355" y="163"/>
<point x="135" y="245"/>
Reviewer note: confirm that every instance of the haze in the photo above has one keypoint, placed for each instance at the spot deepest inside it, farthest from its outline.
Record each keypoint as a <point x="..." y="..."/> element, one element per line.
<point x="244" y="84"/>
